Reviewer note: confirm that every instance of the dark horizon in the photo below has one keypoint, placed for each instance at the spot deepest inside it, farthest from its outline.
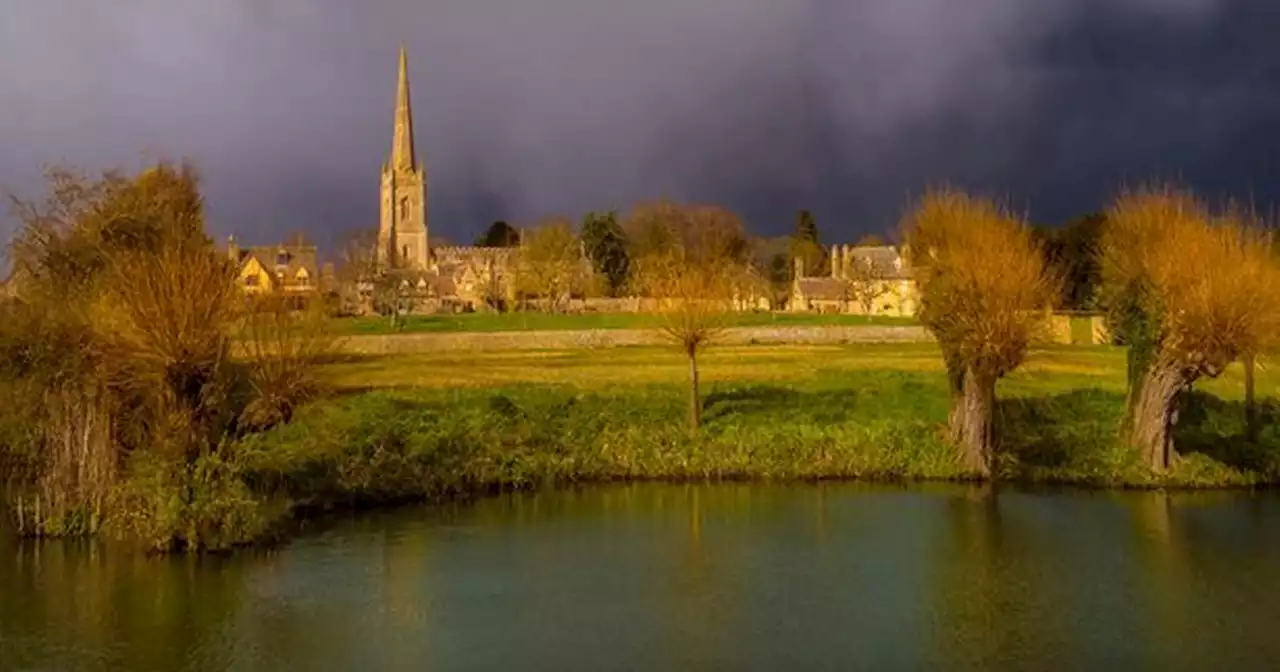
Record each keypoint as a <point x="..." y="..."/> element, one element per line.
<point x="525" y="110"/>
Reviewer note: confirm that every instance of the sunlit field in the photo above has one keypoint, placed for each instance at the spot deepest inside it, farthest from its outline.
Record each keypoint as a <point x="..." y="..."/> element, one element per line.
<point x="1047" y="370"/>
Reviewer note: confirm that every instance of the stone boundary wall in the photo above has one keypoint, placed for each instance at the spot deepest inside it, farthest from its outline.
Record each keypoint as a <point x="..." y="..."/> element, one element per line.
<point x="387" y="344"/>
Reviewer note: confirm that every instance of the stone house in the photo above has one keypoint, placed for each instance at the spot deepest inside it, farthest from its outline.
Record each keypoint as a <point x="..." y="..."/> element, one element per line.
<point x="863" y="281"/>
<point x="289" y="269"/>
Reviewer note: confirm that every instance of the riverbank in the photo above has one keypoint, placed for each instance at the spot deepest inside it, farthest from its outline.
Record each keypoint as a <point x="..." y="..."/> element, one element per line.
<point x="427" y="427"/>
<point x="362" y="448"/>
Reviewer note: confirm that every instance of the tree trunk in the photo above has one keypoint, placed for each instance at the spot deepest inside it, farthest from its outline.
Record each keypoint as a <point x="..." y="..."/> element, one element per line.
<point x="1152" y="414"/>
<point x="1250" y="406"/>
<point x="695" y="402"/>
<point x="976" y="430"/>
<point x="955" y="383"/>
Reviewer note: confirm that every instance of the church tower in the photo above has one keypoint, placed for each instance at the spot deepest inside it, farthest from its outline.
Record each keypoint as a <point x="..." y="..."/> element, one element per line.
<point x="402" y="228"/>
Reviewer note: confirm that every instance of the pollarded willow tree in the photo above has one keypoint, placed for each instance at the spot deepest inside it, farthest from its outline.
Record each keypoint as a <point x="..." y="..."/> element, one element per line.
<point x="984" y="294"/>
<point x="1191" y="290"/>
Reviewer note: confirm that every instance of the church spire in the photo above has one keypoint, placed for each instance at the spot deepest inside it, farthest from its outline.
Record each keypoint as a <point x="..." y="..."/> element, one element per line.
<point x="402" y="153"/>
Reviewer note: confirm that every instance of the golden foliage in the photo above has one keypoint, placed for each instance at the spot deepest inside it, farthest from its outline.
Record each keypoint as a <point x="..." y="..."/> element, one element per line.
<point x="552" y="265"/>
<point x="1205" y="282"/>
<point x="695" y="298"/>
<point x="119" y="346"/>
<point x="984" y="285"/>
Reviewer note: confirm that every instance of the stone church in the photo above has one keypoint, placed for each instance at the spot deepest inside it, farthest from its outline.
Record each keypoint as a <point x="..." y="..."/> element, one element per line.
<point x="458" y="277"/>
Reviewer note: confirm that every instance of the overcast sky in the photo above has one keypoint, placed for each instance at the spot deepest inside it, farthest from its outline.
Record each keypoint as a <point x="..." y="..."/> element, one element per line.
<point x="527" y="108"/>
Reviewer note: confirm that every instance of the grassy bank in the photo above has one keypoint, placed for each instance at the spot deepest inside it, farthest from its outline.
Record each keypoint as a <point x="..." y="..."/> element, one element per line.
<point x="537" y="321"/>
<point x="429" y="426"/>
<point x="838" y="418"/>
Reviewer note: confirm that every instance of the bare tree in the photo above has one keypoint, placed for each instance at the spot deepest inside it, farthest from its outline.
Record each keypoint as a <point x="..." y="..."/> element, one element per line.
<point x="395" y="293"/>
<point x="551" y="264"/>
<point x="984" y="290"/>
<point x="494" y="287"/>
<point x="1191" y="290"/>
<point x="357" y="266"/>
<point x="283" y="347"/>
<point x="650" y="228"/>
<point x="378" y="277"/>
<point x="867" y="282"/>
<point x="701" y="263"/>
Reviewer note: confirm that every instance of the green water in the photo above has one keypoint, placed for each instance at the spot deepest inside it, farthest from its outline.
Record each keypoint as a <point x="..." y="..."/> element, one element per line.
<point x="653" y="577"/>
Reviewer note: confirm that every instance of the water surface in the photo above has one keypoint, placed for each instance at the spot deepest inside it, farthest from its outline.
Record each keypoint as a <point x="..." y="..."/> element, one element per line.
<point x="662" y="577"/>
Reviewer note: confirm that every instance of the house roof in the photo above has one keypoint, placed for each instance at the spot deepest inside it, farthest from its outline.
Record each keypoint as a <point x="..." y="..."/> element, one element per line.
<point x="822" y="289"/>
<point x="442" y="286"/>
<point x="284" y="259"/>
<point x="887" y="261"/>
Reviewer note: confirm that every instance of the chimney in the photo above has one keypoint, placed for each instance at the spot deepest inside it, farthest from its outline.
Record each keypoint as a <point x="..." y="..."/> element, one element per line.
<point x="233" y="249"/>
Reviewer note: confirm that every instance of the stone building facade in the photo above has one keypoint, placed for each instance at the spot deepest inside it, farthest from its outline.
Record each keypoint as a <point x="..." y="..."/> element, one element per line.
<point x="863" y="281"/>
<point x="289" y="269"/>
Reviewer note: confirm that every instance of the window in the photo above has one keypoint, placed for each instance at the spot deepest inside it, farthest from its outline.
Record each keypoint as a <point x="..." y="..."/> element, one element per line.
<point x="404" y="208"/>
<point x="282" y="258"/>
<point x="302" y="278"/>
<point x="251" y="280"/>
<point x="404" y="253"/>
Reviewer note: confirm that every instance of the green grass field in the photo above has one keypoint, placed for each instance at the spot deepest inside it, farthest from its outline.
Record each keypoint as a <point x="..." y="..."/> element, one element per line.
<point x="432" y="426"/>
<point x="1048" y="370"/>
<point x="539" y="321"/>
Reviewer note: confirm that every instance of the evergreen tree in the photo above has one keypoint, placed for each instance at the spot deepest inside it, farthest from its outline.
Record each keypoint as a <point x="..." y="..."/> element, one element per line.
<point x="499" y="234"/>
<point x="806" y="245"/>
<point x="606" y="245"/>
<point x="1073" y="251"/>
<point x="806" y="227"/>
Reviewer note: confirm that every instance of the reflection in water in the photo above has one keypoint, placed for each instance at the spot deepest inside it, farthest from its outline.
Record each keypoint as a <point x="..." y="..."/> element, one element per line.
<point x="684" y="577"/>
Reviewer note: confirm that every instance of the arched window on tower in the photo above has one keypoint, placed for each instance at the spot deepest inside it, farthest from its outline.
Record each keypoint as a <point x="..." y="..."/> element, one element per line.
<point x="404" y="208"/>
<point x="404" y="252"/>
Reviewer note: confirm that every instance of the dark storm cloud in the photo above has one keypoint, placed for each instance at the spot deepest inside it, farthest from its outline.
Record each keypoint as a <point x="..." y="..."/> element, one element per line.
<point x="531" y="107"/>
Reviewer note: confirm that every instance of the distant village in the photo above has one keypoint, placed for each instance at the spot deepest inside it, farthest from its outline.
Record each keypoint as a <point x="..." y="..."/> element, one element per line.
<point x="804" y="277"/>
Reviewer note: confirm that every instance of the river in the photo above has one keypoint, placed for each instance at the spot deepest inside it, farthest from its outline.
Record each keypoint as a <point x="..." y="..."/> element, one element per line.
<point x="668" y="577"/>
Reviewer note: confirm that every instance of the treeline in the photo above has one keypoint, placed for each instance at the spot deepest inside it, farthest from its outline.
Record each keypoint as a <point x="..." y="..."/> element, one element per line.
<point x="130" y="361"/>
<point x="610" y="242"/>
<point x="620" y="251"/>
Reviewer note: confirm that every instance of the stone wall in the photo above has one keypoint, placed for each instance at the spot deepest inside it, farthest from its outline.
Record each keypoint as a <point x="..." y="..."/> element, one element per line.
<point x="610" y="338"/>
